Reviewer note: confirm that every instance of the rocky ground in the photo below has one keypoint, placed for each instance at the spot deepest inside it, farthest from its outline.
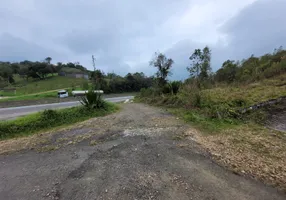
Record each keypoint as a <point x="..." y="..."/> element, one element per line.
<point x="137" y="153"/>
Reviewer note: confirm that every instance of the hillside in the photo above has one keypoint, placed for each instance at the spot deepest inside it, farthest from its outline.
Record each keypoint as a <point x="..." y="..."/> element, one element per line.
<point x="222" y="109"/>
<point x="24" y="87"/>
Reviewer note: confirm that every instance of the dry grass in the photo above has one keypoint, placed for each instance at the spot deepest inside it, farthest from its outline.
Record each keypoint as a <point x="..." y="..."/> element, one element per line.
<point x="251" y="93"/>
<point x="249" y="149"/>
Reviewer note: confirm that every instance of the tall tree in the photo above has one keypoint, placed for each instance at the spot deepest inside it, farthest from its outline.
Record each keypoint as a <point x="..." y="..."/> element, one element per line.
<point x="48" y="60"/>
<point x="195" y="68"/>
<point x="163" y="65"/>
<point x="200" y="66"/>
<point x="206" y="63"/>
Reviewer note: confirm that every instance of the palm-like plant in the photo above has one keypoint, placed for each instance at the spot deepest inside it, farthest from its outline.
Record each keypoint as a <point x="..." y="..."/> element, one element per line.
<point x="92" y="100"/>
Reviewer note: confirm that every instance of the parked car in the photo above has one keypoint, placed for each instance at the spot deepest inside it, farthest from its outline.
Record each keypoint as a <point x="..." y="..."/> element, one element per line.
<point x="63" y="94"/>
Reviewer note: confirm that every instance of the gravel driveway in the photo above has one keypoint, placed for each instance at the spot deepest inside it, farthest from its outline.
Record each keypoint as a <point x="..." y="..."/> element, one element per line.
<point x="134" y="154"/>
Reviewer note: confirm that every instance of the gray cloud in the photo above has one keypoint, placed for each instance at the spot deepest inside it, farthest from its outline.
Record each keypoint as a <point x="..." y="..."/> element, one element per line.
<point x="123" y="35"/>
<point x="257" y="29"/>
<point x="16" y="49"/>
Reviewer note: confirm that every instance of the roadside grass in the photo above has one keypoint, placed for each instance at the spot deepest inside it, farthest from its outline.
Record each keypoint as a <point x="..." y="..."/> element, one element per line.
<point x="48" y="119"/>
<point x="240" y="142"/>
<point x="50" y="83"/>
<point x="208" y="126"/>
<point x="248" y="94"/>
<point x="31" y="97"/>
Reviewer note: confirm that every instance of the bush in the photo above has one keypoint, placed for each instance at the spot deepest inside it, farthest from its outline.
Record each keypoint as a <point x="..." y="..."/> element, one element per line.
<point x="92" y="100"/>
<point x="50" y="118"/>
<point x="175" y="86"/>
<point x="147" y="92"/>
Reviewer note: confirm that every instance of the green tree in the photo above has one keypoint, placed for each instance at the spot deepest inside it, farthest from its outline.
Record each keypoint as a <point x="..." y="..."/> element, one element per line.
<point x="227" y="73"/>
<point x="163" y="65"/>
<point x="48" y="60"/>
<point x="200" y="66"/>
<point x="6" y="72"/>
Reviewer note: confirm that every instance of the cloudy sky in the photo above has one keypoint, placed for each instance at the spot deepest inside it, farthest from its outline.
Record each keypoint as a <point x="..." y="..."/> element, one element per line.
<point x="123" y="35"/>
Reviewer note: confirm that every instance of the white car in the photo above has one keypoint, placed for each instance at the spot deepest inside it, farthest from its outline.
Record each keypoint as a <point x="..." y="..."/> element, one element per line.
<point x="63" y="94"/>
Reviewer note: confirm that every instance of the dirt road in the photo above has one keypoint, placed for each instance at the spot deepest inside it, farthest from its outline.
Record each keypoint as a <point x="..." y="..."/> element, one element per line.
<point x="133" y="154"/>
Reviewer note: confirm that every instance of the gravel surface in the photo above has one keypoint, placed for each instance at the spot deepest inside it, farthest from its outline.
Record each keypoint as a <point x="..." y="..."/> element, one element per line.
<point x="133" y="154"/>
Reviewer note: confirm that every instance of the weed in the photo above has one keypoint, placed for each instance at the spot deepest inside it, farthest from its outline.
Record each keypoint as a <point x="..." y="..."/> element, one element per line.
<point x="93" y="143"/>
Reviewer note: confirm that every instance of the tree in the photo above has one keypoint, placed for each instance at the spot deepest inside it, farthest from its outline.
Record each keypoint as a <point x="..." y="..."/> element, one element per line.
<point x="196" y="59"/>
<point x="48" y="60"/>
<point x="227" y="73"/>
<point x="6" y="73"/>
<point x="206" y="63"/>
<point x="200" y="67"/>
<point x="163" y="65"/>
<point x="98" y="77"/>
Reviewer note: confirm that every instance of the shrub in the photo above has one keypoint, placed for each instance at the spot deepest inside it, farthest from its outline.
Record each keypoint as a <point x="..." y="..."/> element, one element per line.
<point x="147" y="92"/>
<point x="92" y="100"/>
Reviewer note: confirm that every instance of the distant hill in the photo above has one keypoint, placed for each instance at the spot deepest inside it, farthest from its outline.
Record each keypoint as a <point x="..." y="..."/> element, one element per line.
<point x="24" y="87"/>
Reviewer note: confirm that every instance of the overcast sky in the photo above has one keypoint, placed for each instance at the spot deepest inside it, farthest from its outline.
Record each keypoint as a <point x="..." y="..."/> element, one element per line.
<point x="123" y="35"/>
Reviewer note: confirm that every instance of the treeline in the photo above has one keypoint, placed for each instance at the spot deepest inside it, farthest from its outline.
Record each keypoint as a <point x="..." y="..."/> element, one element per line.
<point x="199" y="93"/>
<point x="253" y="68"/>
<point x="114" y="83"/>
<point x="110" y="82"/>
<point x="200" y="71"/>
<point x="36" y="70"/>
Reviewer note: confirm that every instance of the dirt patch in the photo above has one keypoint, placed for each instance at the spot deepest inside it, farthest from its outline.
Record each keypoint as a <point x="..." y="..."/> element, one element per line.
<point x="133" y="156"/>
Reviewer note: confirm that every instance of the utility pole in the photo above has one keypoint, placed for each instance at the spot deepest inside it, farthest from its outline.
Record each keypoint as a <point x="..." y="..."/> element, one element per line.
<point x="93" y="62"/>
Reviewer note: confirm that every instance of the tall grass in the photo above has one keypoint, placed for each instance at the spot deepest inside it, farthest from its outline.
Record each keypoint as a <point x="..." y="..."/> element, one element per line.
<point x="219" y="106"/>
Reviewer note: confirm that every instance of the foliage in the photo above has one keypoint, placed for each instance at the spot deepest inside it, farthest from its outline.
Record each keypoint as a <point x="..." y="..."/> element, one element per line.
<point x="93" y="100"/>
<point x="200" y="67"/>
<point x="163" y="65"/>
<point x="50" y="118"/>
<point x="50" y="83"/>
<point x="175" y="86"/>
<point x="253" y="68"/>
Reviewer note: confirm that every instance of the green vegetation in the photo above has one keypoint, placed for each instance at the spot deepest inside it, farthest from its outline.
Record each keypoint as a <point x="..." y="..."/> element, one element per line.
<point x="51" y="118"/>
<point x="92" y="100"/>
<point x="48" y="84"/>
<point x="32" y="78"/>
<point x="213" y="101"/>
<point x="44" y="95"/>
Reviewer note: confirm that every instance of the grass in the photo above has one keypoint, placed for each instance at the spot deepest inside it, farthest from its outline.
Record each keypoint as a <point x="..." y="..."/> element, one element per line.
<point x="37" y="86"/>
<point x="204" y="123"/>
<point x="34" y="123"/>
<point x="31" y="97"/>
<point x="248" y="94"/>
<point x="234" y="140"/>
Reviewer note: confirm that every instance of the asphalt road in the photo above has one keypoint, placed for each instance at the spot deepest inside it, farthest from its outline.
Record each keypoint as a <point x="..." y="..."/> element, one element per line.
<point x="14" y="112"/>
<point x="131" y="154"/>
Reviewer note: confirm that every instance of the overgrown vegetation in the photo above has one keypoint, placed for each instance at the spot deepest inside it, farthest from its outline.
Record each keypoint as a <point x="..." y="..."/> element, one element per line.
<point x="216" y="99"/>
<point x="212" y="103"/>
<point x="51" y="118"/>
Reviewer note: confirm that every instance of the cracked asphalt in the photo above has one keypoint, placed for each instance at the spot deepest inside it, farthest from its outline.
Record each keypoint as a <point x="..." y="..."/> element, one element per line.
<point x="133" y="154"/>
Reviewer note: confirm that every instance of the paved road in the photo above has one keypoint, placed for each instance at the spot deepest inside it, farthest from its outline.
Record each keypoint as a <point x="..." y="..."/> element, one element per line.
<point x="14" y="112"/>
<point x="132" y="154"/>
